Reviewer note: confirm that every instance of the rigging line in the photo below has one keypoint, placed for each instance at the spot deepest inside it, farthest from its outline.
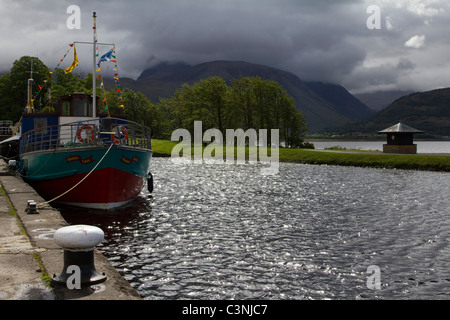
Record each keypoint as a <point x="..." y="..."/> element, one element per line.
<point x="16" y="128"/>
<point x="85" y="177"/>
<point x="6" y="158"/>
<point x="51" y="73"/>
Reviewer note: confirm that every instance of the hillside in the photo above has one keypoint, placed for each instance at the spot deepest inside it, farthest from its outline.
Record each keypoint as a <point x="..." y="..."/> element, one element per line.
<point x="427" y="111"/>
<point x="381" y="99"/>
<point x="323" y="105"/>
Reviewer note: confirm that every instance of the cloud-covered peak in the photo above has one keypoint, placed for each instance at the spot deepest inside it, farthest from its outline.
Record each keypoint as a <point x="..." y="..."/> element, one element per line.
<point x="317" y="40"/>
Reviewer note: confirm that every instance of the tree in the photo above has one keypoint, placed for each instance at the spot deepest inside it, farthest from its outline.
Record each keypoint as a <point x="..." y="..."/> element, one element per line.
<point x="138" y="108"/>
<point x="8" y="105"/>
<point x="64" y="84"/>
<point x="183" y="108"/>
<point x="212" y="95"/>
<point x="263" y="104"/>
<point x="242" y="101"/>
<point x="14" y="87"/>
<point x="248" y="103"/>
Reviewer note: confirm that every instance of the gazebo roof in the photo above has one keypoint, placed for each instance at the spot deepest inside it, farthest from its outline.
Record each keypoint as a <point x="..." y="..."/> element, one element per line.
<point x="400" y="128"/>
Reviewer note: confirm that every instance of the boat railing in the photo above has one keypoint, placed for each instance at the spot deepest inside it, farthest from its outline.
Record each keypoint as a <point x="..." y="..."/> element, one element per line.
<point x="101" y="132"/>
<point x="5" y="127"/>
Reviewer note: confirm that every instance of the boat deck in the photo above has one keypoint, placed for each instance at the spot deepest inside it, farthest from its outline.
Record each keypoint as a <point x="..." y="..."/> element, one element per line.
<point x="98" y="132"/>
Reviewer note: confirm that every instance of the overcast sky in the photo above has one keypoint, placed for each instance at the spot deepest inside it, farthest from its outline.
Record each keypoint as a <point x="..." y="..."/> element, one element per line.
<point x="327" y="40"/>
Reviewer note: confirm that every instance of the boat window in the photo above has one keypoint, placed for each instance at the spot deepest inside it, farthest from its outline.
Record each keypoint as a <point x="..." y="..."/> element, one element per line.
<point x="108" y="124"/>
<point x="66" y="108"/>
<point x="80" y="107"/>
<point x="39" y="125"/>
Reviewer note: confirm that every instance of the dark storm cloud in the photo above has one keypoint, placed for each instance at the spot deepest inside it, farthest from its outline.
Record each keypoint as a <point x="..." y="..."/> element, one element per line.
<point x="317" y="40"/>
<point x="301" y="36"/>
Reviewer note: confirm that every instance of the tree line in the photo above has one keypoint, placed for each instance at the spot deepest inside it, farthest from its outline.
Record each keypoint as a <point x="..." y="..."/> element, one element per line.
<point x="245" y="103"/>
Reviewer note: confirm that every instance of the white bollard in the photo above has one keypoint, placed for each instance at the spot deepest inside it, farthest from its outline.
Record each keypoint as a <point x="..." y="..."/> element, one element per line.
<point x="78" y="242"/>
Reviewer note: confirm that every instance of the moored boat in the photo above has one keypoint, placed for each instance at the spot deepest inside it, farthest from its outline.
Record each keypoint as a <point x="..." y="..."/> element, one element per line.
<point x="75" y="156"/>
<point x="97" y="163"/>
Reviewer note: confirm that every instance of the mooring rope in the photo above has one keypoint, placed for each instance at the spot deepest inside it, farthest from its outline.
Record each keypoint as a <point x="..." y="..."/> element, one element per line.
<point x="84" y="178"/>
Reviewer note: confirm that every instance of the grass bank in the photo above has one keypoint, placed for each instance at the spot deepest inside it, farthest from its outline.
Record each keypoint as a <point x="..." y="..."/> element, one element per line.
<point x="344" y="158"/>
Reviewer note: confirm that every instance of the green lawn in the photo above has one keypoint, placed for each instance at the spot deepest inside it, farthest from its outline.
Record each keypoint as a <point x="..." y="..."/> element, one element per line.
<point x="163" y="146"/>
<point x="366" y="159"/>
<point x="355" y="158"/>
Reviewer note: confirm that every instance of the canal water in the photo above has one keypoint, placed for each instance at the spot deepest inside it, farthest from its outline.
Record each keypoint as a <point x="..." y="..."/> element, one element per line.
<point x="217" y="231"/>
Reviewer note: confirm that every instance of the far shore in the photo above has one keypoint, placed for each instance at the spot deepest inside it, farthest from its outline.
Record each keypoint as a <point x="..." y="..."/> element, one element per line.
<point x="358" y="158"/>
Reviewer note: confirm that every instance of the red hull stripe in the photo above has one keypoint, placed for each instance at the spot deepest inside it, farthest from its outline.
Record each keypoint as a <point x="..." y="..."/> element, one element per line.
<point x="107" y="185"/>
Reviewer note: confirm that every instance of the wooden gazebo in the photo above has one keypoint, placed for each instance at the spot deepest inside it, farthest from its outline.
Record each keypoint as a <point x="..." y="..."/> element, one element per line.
<point x="400" y="139"/>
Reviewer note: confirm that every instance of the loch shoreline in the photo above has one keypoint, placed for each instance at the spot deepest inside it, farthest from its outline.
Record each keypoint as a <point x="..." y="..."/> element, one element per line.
<point x="357" y="158"/>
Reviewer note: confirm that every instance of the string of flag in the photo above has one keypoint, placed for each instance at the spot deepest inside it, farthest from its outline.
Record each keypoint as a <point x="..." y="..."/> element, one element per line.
<point x="97" y="53"/>
<point x="69" y="69"/>
<point x="109" y="56"/>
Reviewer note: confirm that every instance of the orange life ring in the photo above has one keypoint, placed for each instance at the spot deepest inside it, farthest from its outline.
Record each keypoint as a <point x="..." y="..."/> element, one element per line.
<point x="90" y="136"/>
<point x="123" y="134"/>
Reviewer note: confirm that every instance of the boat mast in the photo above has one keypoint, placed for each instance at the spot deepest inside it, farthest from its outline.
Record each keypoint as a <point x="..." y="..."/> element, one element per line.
<point x="94" y="95"/>
<point x="30" y="105"/>
<point x="95" y="45"/>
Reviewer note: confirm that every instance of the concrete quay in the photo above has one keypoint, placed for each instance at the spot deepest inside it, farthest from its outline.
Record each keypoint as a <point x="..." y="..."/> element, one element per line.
<point x="29" y="256"/>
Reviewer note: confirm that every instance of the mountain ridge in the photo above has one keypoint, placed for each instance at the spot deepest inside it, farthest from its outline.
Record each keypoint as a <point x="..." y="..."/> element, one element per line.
<point x="323" y="105"/>
<point x="379" y="100"/>
<point x="427" y="111"/>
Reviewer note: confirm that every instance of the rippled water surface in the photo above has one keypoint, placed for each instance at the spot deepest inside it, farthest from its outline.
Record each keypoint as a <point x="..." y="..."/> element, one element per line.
<point x="310" y="232"/>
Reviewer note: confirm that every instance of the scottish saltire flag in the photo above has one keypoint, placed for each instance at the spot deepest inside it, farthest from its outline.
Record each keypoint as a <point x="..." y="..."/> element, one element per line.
<point x="106" y="57"/>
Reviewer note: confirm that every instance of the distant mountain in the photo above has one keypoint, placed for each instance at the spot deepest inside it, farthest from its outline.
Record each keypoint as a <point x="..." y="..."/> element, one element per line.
<point x="323" y="105"/>
<point x="427" y="111"/>
<point x="340" y="100"/>
<point x="381" y="99"/>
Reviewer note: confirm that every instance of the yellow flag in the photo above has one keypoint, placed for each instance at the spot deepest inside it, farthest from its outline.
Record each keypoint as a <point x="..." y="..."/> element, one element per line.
<point x="74" y="63"/>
